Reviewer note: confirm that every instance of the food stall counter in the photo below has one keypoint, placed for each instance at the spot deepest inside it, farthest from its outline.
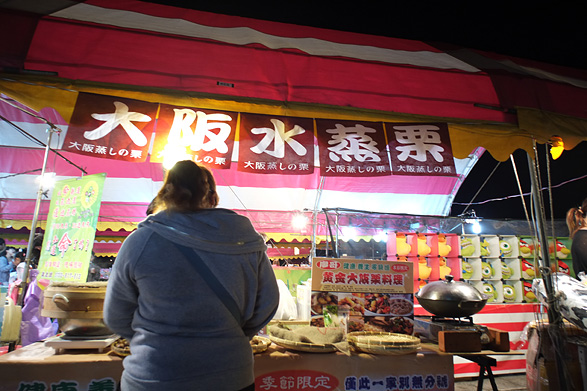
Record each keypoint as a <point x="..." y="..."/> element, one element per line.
<point x="40" y="367"/>
<point x="281" y="369"/>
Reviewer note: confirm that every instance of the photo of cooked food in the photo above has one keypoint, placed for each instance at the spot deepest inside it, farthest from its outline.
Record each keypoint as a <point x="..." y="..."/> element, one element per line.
<point x="390" y="324"/>
<point x="401" y="305"/>
<point x="320" y="299"/>
<point x="377" y="303"/>
<point x="317" y="321"/>
<point x="352" y="302"/>
<point x="356" y="323"/>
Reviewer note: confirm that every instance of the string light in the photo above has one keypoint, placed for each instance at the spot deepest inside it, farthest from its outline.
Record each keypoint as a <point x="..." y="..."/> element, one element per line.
<point x="557" y="146"/>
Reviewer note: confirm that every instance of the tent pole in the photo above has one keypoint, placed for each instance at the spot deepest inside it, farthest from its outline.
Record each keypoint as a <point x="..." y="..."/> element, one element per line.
<point x="315" y="219"/>
<point x="29" y="250"/>
<point x="554" y="318"/>
<point x="25" y="276"/>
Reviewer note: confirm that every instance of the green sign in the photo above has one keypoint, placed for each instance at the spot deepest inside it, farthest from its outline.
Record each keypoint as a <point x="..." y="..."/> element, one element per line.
<point x="71" y="228"/>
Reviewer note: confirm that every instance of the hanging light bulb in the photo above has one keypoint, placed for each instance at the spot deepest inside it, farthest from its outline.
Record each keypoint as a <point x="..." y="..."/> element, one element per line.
<point x="476" y="227"/>
<point x="47" y="181"/>
<point x="299" y="221"/>
<point x="380" y="237"/>
<point x="557" y="146"/>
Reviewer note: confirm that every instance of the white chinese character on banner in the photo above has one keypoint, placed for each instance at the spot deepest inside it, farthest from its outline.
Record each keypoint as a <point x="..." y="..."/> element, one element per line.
<point x="353" y="142"/>
<point x="281" y="137"/>
<point x="122" y="117"/>
<point x="418" y="140"/>
<point x="181" y="131"/>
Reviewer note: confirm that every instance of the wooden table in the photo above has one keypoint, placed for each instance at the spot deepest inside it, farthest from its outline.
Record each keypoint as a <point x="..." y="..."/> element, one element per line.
<point x="482" y="358"/>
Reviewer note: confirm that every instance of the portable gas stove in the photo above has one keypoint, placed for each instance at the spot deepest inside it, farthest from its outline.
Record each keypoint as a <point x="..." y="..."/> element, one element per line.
<point x="428" y="327"/>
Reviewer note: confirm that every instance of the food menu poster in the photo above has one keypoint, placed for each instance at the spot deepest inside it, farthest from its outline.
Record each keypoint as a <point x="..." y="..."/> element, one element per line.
<point x="71" y="228"/>
<point x="360" y="275"/>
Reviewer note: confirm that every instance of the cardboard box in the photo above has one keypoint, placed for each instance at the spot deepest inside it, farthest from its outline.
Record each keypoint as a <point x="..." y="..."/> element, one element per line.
<point x="542" y="372"/>
<point x="459" y="341"/>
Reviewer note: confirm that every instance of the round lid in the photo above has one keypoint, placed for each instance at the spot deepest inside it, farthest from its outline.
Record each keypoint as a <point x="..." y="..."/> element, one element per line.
<point x="451" y="290"/>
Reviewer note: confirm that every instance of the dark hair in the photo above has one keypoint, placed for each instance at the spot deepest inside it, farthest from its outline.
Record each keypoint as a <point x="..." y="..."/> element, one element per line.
<point x="576" y="218"/>
<point x="188" y="187"/>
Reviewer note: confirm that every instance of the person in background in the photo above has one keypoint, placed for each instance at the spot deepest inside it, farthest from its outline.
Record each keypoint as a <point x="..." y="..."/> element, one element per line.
<point x="577" y="223"/>
<point x="93" y="269"/>
<point x="6" y="262"/>
<point x="20" y="264"/>
<point x="182" y="334"/>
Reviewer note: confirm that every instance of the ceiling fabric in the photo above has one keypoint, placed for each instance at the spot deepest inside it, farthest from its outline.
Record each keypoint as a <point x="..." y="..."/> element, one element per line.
<point x="190" y="58"/>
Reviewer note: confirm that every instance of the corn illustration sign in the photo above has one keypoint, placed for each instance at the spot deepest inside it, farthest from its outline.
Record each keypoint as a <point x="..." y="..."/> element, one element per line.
<point x="71" y="228"/>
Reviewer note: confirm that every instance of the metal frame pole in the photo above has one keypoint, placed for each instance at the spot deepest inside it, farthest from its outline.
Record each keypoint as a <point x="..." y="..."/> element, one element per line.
<point x="35" y="218"/>
<point x="554" y="317"/>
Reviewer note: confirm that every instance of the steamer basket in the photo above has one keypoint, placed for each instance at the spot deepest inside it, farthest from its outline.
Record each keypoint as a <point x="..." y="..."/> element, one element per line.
<point x="78" y="307"/>
<point x="74" y="300"/>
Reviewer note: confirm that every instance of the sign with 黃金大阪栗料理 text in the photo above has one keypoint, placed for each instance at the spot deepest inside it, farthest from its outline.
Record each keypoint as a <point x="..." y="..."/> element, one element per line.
<point x="361" y="275"/>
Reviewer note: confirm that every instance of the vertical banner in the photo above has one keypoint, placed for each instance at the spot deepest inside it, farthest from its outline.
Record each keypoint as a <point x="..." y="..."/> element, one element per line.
<point x="352" y="149"/>
<point x="420" y="149"/>
<point x="204" y="136"/>
<point x="111" y="127"/>
<point x="71" y="228"/>
<point x="276" y="145"/>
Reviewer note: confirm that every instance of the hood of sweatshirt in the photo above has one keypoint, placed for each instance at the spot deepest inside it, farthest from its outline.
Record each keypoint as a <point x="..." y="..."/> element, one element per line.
<point x="213" y="230"/>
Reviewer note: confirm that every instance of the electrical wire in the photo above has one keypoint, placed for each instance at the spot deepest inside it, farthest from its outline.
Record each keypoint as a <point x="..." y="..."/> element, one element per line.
<point x="21" y="173"/>
<point x="480" y="188"/>
<point x="520" y="189"/>
<point x="520" y="195"/>
<point x="31" y="137"/>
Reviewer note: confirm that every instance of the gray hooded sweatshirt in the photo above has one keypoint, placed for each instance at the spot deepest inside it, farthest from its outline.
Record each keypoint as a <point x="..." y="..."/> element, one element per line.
<point x="182" y="336"/>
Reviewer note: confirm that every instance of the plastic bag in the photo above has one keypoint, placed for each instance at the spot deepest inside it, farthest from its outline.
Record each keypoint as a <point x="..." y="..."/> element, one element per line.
<point x="287" y="308"/>
<point x="35" y="327"/>
<point x="11" y="321"/>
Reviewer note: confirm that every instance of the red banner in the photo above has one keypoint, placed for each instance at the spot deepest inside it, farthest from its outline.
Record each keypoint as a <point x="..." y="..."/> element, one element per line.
<point x="352" y="149"/>
<point x="204" y="136"/>
<point x="111" y="127"/>
<point x="119" y="128"/>
<point x="276" y="145"/>
<point x="420" y="149"/>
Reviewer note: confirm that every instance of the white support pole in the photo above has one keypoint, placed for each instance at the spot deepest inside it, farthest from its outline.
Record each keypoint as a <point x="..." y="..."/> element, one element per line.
<point x="30" y="247"/>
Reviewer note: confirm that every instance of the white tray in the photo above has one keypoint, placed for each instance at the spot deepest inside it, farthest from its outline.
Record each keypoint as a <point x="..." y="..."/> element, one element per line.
<point x="58" y="342"/>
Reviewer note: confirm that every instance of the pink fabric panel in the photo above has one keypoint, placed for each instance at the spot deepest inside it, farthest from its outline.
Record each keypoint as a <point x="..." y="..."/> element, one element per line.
<point x="24" y="159"/>
<point x="15" y="209"/>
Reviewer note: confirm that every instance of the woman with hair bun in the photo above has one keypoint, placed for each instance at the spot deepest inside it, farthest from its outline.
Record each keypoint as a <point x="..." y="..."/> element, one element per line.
<point x="577" y="223"/>
<point x="189" y="326"/>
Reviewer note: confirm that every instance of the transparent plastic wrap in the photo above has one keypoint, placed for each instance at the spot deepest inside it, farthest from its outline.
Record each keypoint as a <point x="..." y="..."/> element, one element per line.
<point x="570" y="295"/>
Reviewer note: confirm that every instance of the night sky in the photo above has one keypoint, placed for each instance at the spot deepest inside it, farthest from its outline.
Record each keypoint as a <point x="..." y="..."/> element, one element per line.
<point x="541" y="31"/>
